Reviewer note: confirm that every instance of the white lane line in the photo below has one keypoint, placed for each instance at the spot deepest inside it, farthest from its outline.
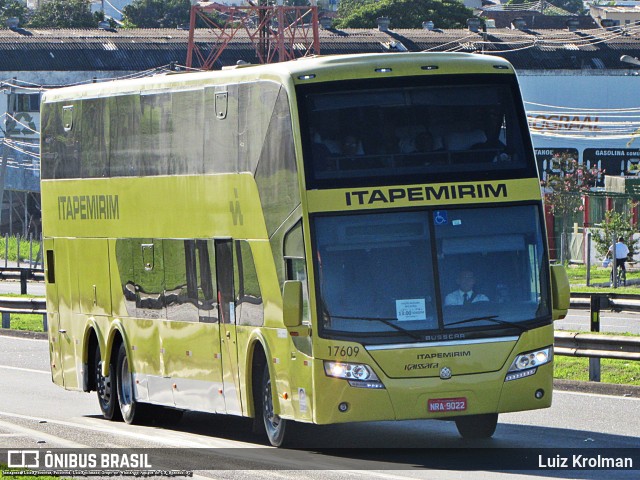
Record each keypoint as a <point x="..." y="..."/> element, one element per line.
<point x="20" y="369"/>
<point x="167" y="437"/>
<point x="599" y="395"/>
<point x="24" y="338"/>
<point x="38" y="435"/>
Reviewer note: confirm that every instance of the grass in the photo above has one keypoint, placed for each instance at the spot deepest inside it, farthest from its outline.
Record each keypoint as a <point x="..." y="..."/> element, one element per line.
<point x="27" y="321"/>
<point x="599" y="276"/>
<point x="625" y="372"/>
<point x="11" y="250"/>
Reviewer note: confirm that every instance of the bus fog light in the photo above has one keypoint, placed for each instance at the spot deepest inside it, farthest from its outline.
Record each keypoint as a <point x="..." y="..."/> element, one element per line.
<point x="539" y="393"/>
<point x="343" y="407"/>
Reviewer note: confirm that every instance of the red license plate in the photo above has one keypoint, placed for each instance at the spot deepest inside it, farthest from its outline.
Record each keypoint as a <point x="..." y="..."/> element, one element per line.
<point x="447" y="404"/>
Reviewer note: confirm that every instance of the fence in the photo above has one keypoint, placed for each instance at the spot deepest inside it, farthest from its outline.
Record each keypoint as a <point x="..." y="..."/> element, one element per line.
<point x="9" y="305"/>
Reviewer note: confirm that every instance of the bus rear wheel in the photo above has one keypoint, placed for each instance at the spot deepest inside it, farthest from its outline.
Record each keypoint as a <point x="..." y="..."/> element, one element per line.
<point x="106" y="388"/>
<point x="132" y="411"/>
<point x="477" y="426"/>
<point x="275" y="426"/>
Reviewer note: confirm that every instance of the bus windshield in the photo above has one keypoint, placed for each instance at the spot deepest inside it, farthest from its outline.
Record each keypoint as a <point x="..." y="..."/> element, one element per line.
<point x="387" y="133"/>
<point x="428" y="272"/>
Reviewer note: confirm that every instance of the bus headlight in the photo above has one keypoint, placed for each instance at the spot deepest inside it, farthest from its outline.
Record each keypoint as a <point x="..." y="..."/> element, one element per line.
<point x="526" y="364"/>
<point x="358" y="374"/>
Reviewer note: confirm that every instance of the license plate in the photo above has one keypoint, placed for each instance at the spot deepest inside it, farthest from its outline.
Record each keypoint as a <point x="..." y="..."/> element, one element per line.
<point x="447" y="404"/>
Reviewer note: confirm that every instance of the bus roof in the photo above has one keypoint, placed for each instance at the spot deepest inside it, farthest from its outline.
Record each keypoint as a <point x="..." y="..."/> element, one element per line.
<point x="304" y="70"/>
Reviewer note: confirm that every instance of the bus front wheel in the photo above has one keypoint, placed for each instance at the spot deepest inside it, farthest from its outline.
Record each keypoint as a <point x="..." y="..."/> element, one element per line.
<point x="274" y="425"/>
<point x="131" y="410"/>
<point x="106" y="388"/>
<point x="477" y="426"/>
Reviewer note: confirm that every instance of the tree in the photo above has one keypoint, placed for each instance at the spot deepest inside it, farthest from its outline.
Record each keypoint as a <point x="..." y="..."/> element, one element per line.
<point x="12" y="8"/>
<point x="571" y="6"/>
<point x="564" y="191"/>
<point x="616" y="224"/>
<point x="63" y="14"/>
<point x="404" y="13"/>
<point x="157" y="13"/>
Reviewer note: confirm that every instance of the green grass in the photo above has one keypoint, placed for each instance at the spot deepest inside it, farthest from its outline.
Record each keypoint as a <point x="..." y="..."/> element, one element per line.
<point x="578" y="280"/>
<point x="12" y="250"/>
<point x="26" y="321"/>
<point x="625" y="372"/>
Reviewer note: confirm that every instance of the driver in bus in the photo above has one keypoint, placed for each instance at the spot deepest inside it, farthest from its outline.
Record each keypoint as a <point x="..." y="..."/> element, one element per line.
<point x="465" y="294"/>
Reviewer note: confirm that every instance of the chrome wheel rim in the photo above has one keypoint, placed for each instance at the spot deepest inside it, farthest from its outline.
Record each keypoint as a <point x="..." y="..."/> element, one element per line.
<point x="272" y="421"/>
<point x="126" y="386"/>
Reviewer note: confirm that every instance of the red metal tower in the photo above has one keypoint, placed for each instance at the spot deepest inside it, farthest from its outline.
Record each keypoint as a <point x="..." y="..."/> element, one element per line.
<point x="277" y="32"/>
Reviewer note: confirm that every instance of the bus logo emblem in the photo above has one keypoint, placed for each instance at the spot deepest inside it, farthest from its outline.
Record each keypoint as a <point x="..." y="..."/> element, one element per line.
<point x="445" y="373"/>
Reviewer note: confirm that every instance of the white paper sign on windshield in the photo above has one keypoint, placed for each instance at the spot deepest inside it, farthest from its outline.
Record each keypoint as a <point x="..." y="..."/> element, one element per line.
<point x="411" y="309"/>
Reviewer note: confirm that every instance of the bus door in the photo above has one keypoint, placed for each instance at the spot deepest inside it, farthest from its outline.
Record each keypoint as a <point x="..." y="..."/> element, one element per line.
<point x="227" y="316"/>
<point x="53" y="316"/>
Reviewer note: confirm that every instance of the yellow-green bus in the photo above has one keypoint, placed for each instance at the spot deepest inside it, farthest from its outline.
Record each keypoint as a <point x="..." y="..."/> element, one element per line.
<point x="335" y="239"/>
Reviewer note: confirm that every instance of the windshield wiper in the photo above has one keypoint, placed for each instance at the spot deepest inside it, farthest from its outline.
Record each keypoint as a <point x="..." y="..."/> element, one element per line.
<point x="489" y="318"/>
<point x="386" y="321"/>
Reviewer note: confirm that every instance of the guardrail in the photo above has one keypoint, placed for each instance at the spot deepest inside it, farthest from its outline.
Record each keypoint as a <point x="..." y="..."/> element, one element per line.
<point x="578" y="344"/>
<point x="23" y="274"/>
<point x="9" y="305"/>
<point x="623" y="302"/>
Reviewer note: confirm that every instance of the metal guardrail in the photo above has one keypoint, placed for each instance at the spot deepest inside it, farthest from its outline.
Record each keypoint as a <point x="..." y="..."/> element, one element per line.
<point x="9" y="305"/>
<point x="578" y="344"/>
<point x="622" y="302"/>
<point x="23" y="274"/>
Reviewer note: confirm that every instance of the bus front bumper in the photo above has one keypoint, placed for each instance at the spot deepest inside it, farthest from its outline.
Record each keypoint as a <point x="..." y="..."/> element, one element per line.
<point x="423" y="398"/>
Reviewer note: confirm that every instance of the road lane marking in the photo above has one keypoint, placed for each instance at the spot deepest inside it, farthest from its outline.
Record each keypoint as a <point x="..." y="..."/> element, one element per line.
<point x="600" y="395"/>
<point x="30" y="370"/>
<point x="38" y="435"/>
<point x="95" y="425"/>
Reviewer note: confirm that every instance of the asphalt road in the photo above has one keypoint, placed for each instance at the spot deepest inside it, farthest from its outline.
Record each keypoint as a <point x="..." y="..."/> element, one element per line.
<point x="34" y="413"/>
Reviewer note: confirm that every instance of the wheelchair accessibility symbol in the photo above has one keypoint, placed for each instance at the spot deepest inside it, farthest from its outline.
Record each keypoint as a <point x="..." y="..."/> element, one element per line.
<point x="440" y="217"/>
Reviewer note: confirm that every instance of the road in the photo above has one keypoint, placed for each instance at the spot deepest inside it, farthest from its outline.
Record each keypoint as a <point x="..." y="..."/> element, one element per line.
<point x="34" y="413"/>
<point x="610" y="322"/>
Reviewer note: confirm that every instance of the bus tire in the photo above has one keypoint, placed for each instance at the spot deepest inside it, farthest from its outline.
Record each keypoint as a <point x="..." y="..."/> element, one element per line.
<point x="132" y="412"/>
<point x="275" y="427"/>
<point x="477" y="426"/>
<point x="106" y="389"/>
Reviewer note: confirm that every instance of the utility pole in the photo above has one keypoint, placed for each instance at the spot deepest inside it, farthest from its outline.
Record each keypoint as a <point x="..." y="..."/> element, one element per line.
<point x="5" y="151"/>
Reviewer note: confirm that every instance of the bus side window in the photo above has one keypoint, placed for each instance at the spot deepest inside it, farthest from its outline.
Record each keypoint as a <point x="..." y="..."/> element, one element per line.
<point x="225" y="277"/>
<point x="295" y="265"/>
<point x="207" y="289"/>
<point x="249" y="307"/>
<point x="180" y="280"/>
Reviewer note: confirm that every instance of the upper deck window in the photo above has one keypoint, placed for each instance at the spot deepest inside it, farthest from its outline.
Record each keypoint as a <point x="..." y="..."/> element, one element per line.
<point x="414" y="130"/>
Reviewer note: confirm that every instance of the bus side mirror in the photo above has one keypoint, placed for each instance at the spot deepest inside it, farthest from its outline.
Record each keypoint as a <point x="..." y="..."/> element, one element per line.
<point x="292" y="303"/>
<point x="560" y="292"/>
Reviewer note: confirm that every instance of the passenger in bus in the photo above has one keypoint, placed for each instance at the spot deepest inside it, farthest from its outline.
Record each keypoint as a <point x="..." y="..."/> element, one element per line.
<point x="350" y="146"/>
<point x="421" y="143"/>
<point x="465" y="294"/>
<point x="492" y="144"/>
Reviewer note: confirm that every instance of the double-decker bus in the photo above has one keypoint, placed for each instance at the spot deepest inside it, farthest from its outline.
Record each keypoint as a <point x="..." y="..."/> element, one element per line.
<point x="335" y="239"/>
